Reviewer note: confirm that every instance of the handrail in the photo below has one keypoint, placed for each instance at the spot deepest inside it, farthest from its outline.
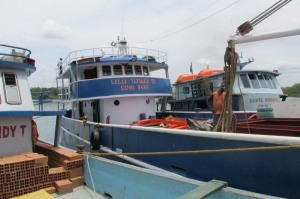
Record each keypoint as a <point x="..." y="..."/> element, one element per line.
<point x="12" y="55"/>
<point x="113" y="52"/>
<point x="17" y="48"/>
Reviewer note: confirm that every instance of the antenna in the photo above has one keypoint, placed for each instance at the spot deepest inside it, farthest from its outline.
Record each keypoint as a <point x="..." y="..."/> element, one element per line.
<point x="122" y="18"/>
<point x="232" y="26"/>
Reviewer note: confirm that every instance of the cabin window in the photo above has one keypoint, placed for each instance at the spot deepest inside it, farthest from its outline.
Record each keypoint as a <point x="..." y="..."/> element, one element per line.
<point x="245" y="81"/>
<point x="178" y="105"/>
<point x="106" y="70"/>
<point x="269" y="83"/>
<point x="11" y="88"/>
<point x="118" y="70"/>
<point x="273" y="82"/>
<point x="128" y="70"/>
<point x="145" y="71"/>
<point x="262" y="81"/>
<point x="186" y="90"/>
<point x="254" y="81"/>
<point x="138" y="70"/>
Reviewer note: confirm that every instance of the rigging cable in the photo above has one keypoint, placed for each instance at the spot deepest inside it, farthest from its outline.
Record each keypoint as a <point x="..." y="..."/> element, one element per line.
<point x="248" y="26"/>
<point x="186" y="20"/>
<point x="187" y="26"/>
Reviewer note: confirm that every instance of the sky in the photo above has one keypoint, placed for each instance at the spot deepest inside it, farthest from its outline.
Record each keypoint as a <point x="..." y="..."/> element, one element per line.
<point x="53" y="29"/>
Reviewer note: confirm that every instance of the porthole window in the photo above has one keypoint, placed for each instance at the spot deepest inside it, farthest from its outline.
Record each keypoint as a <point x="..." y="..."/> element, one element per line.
<point x="147" y="101"/>
<point x="116" y="102"/>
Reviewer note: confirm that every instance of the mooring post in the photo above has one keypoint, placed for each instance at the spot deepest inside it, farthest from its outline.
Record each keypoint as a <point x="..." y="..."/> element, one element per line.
<point x="57" y="130"/>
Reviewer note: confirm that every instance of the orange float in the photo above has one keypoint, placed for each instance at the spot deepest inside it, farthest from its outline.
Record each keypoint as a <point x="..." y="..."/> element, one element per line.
<point x="185" y="77"/>
<point x="206" y="72"/>
<point x="163" y="123"/>
<point x="34" y="132"/>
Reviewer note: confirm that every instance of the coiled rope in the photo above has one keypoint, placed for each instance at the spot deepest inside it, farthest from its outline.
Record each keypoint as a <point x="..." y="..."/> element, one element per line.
<point x="227" y="120"/>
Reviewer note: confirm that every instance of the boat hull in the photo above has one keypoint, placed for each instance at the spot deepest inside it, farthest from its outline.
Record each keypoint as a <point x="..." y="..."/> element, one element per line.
<point x="273" y="172"/>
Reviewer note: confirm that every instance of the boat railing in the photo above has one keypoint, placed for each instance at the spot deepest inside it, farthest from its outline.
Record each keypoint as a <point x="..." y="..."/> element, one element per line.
<point x="64" y="93"/>
<point x="94" y="54"/>
<point x="13" y="55"/>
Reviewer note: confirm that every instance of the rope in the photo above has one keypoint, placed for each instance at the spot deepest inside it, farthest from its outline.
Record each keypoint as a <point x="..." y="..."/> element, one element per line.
<point x="200" y="151"/>
<point x="84" y="121"/>
<point x="226" y="118"/>
<point x="91" y="174"/>
<point x="243" y="103"/>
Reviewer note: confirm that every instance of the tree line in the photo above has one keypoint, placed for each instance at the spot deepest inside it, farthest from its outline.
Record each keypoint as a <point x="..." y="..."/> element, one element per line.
<point x="292" y="91"/>
<point x="52" y="95"/>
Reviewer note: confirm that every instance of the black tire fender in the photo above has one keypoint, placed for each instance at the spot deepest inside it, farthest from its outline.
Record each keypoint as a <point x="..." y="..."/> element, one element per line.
<point x="95" y="139"/>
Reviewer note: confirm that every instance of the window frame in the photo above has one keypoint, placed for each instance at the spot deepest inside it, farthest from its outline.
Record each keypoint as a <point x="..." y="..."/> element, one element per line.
<point x="116" y="71"/>
<point x="247" y="79"/>
<point x="147" y="72"/>
<point x="17" y="86"/>
<point x="103" y="74"/>
<point x="135" y="72"/>
<point x="269" y="82"/>
<point x="273" y="82"/>
<point x="127" y="70"/>
<point x="256" y="80"/>
<point x="262" y="81"/>
<point x="185" y="90"/>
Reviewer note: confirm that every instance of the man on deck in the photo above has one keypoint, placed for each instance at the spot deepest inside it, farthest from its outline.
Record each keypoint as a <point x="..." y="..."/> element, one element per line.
<point x="218" y="100"/>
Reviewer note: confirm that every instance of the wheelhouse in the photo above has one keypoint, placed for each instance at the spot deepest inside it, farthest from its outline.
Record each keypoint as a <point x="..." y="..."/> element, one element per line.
<point x="117" y="80"/>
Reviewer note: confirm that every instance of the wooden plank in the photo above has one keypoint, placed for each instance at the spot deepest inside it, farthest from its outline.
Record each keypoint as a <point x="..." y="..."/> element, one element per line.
<point x="205" y="190"/>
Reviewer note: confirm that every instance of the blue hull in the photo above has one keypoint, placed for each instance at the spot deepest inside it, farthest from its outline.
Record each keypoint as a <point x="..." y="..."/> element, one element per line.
<point x="273" y="172"/>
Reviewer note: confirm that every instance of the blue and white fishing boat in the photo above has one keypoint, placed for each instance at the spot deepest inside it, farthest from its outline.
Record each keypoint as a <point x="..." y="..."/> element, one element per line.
<point x="113" y="179"/>
<point x="98" y="87"/>
<point x="252" y="90"/>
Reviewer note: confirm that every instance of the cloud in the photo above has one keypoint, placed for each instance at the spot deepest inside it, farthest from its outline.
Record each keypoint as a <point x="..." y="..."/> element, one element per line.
<point x="51" y="29"/>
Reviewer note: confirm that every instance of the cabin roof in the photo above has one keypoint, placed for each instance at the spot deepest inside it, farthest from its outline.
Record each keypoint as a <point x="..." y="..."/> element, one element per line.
<point x="240" y="72"/>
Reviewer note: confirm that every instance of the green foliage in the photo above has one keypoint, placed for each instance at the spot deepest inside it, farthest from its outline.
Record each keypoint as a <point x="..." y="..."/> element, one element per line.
<point x="292" y="91"/>
<point x="53" y="92"/>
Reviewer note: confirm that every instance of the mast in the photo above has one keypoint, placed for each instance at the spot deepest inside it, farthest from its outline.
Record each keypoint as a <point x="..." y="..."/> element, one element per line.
<point x="264" y="36"/>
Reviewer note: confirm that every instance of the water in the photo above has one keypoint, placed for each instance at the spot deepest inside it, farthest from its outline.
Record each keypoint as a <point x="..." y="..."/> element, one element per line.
<point x="46" y="125"/>
<point x="293" y="98"/>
